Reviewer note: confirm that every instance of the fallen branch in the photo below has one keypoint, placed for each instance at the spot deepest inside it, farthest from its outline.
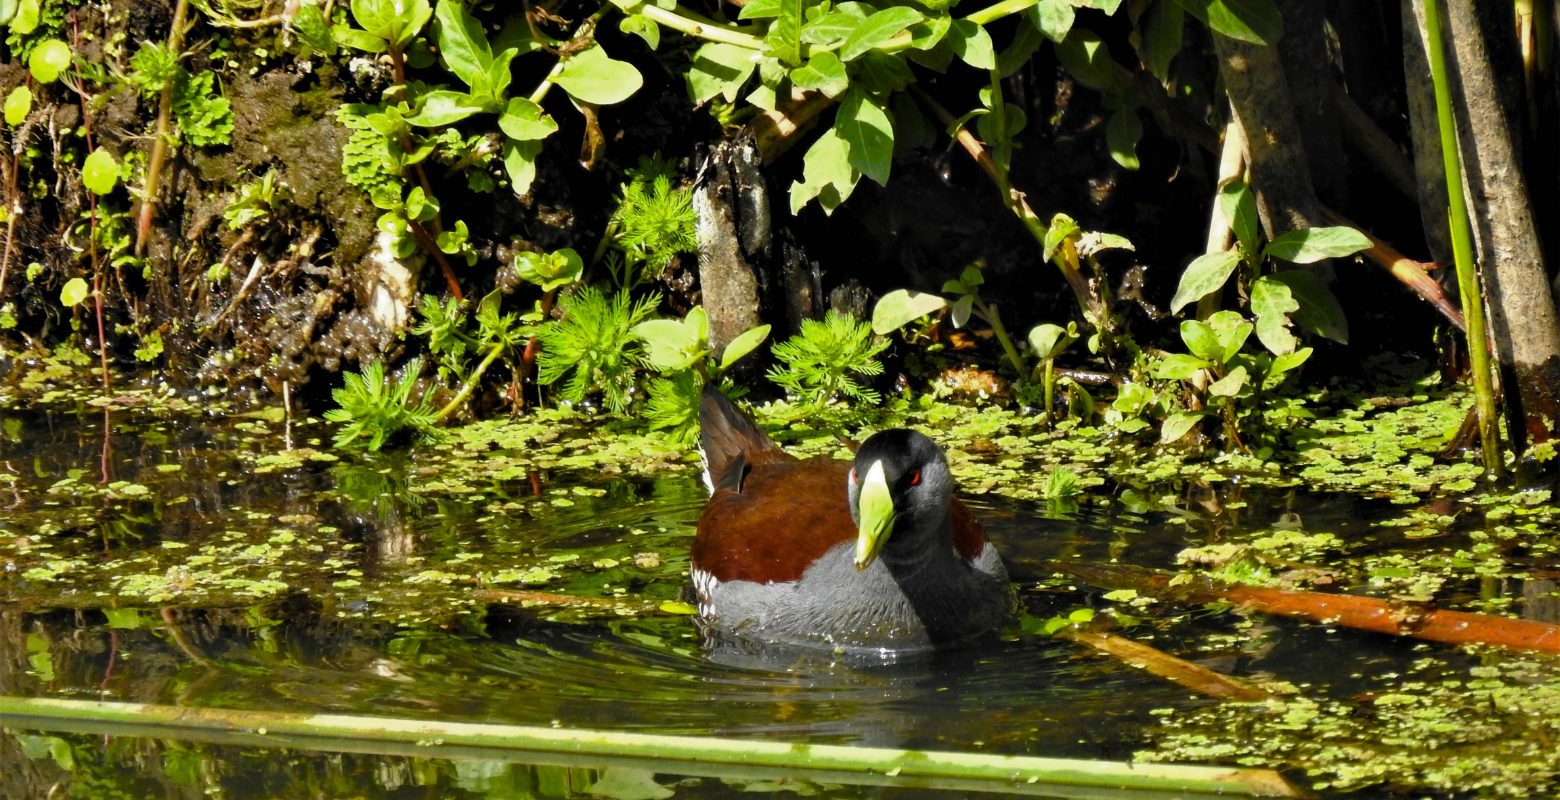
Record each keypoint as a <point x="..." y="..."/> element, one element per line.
<point x="1417" y="620"/>
<point x="1410" y="272"/>
<point x="1176" y="670"/>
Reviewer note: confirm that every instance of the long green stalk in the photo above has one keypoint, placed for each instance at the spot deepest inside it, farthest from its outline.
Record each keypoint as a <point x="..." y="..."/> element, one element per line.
<point x="1462" y="245"/>
<point x="683" y="20"/>
<point x="471" y="383"/>
<point x="672" y="754"/>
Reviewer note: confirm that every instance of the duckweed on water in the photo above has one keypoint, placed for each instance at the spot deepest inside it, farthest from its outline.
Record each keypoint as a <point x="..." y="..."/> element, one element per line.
<point x="212" y="505"/>
<point x="1490" y="729"/>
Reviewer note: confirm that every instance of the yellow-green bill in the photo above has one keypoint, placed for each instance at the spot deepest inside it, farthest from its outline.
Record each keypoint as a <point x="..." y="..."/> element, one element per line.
<point x="875" y="509"/>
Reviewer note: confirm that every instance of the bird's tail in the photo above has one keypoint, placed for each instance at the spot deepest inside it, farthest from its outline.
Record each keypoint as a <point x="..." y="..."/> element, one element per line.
<point x="730" y="442"/>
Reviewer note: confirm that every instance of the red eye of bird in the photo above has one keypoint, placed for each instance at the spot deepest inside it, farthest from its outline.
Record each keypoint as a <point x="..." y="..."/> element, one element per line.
<point x="853" y="476"/>
<point x="913" y="478"/>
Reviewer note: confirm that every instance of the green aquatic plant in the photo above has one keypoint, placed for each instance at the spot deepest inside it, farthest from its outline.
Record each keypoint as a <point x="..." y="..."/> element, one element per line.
<point x="657" y="222"/>
<point x="826" y="359"/>
<point x="375" y="408"/>
<point x="680" y="349"/>
<point x="201" y="115"/>
<point x="256" y="200"/>
<point x="594" y="345"/>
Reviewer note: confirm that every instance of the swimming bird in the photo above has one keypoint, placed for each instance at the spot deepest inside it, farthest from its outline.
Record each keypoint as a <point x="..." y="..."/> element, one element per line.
<point x="867" y="557"/>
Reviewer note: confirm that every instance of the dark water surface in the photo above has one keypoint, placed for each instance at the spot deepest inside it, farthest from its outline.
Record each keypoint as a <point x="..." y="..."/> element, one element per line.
<point x="492" y="661"/>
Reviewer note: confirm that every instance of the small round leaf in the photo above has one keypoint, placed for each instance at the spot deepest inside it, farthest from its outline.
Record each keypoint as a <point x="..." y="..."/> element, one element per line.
<point x="73" y="292"/>
<point x="100" y="172"/>
<point x="48" y="60"/>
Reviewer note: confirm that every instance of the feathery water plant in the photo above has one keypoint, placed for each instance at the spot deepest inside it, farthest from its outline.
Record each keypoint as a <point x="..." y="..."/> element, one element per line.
<point x="594" y="345"/>
<point x="657" y="222"/>
<point x="377" y="408"/>
<point x="822" y="361"/>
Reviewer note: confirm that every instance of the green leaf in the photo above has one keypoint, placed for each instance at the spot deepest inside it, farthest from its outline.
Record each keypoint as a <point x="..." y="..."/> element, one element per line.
<point x="1239" y="207"/>
<point x="1048" y="340"/>
<point x="525" y="120"/>
<point x="760" y="9"/>
<point x="745" y="343"/>
<point x="961" y="310"/>
<point x="313" y="31"/>
<point x="1179" y="367"/>
<point x="8" y="10"/>
<point x="1272" y="302"/>
<point x="1176" y="426"/>
<point x="1202" y="340"/>
<point x="785" y="33"/>
<point x="444" y="107"/>
<point x="824" y="72"/>
<point x="863" y="122"/>
<point x="901" y="306"/>
<point x="348" y="36"/>
<point x="26" y="19"/>
<point x="1229" y="385"/>
<point x="420" y="206"/>
<point x="591" y="76"/>
<point x="1254" y="21"/>
<point x="971" y="43"/>
<point x="720" y="69"/>
<point x="877" y="30"/>
<point x="1233" y="330"/>
<point x="1107" y="6"/>
<point x="1310" y="245"/>
<point x="1122" y="134"/>
<point x="830" y="30"/>
<point x="73" y="292"/>
<point x="671" y="345"/>
<point x="520" y="163"/>
<point x="1062" y="228"/>
<point x="1054" y="18"/>
<point x="826" y="174"/>
<point x="1162" y="30"/>
<point x="18" y="104"/>
<point x="1205" y="275"/>
<point x="100" y="172"/>
<point x="48" y="60"/>
<point x="1085" y="55"/>
<point x="550" y="270"/>
<point x="643" y="27"/>
<point x="463" y="47"/>
<point x="1025" y="42"/>
<point x="882" y="73"/>
<point x="395" y="21"/>
<point x="1319" y="311"/>
<point x="931" y="32"/>
<point x="1287" y="362"/>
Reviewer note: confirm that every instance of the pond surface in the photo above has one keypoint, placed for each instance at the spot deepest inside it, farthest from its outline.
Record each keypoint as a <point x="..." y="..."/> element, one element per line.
<point x="188" y="565"/>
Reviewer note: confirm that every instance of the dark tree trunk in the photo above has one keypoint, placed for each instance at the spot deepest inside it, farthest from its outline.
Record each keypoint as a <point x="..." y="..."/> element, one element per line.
<point x="748" y="275"/>
<point x="1487" y="96"/>
<point x="1303" y="52"/>
<point x="1280" y="175"/>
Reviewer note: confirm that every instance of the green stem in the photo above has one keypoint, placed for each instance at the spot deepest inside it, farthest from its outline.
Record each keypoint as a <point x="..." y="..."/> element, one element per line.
<point x="992" y="13"/>
<point x="693" y="25"/>
<point x="696" y="755"/>
<point x="1462" y="246"/>
<point x="990" y="313"/>
<point x="471" y="383"/>
<point x="1050" y="386"/>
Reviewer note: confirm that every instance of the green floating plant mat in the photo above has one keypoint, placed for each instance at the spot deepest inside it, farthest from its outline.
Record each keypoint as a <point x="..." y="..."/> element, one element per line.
<point x="683" y="755"/>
